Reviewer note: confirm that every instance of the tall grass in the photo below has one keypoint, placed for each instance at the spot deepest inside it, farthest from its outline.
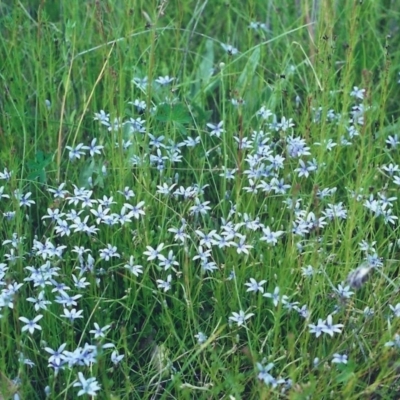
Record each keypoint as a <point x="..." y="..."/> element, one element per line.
<point x="257" y="255"/>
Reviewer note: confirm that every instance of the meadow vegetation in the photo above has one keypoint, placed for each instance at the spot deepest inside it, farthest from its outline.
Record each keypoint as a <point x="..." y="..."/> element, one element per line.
<point x="198" y="199"/>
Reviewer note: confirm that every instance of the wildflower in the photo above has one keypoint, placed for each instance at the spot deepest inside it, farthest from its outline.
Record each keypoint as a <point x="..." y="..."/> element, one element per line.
<point x="102" y="117"/>
<point x="224" y="241"/>
<point x="307" y="271"/>
<point x="330" y="328"/>
<point x="99" y="213"/>
<point x="254" y="286"/>
<point x="134" y="269"/>
<point x="81" y="356"/>
<point x="139" y="104"/>
<point x="344" y="292"/>
<point x="242" y="247"/>
<point x="368" y="312"/>
<point x="266" y="377"/>
<point x="238" y="102"/>
<point x="206" y="239"/>
<point x="373" y="260"/>
<point x="126" y="143"/>
<point x="165" y="285"/>
<point x="317" y="329"/>
<point x="128" y="193"/>
<point x="258" y="25"/>
<point x="72" y="315"/>
<point x="274" y="296"/>
<point x="76" y="152"/>
<point x="271" y="237"/>
<point x="231" y="276"/>
<point x="335" y="211"/>
<point x="252" y="188"/>
<point x="57" y="356"/>
<point x="230" y="49"/>
<point x="141" y="83"/>
<point x="124" y="217"/>
<point x="80" y="251"/>
<point x="11" y="257"/>
<point x="40" y="302"/>
<point x="136" y="211"/>
<point x="296" y="147"/>
<point x="153" y="253"/>
<point x="31" y="325"/>
<point x="285" y="124"/>
<point x="279" y="186"/>
<point x="357" y="114"/>
<point x="24" y="200"/>
<point x="264" y="113"/>
<point x="393" y="141"/>
<point x="167" y="262"/>
<point x="187" y="193"/>
<point x="391" y="168"/>
<point x="53" y="215"/>
<point x="156" y="141"/>
<point x="164" y="80"/>
<point x="2" y="195"/>
<point x="303" y="311"/>
<point x="395" y="309"/>
<point x="62" y="228"/>
<point x="240" y="318"/>
<point x="192" y="142"/>
<point x="26" y="361"/>
<point x="388" y="216"/>
<point x="200" y="208"/>
<point x="64" y="298"/>
<point x="357" y="93"/>
<point x="228" y="174"/>
<point x="134" y="125"/>
<point x="86" y="199"/>
<point x="109" y="252"/>
<point x="94" y="149"/>
<point x="326" y="192"/>
<point x="367" y="247"/>
<point x="99" y="332"/>
<point x="305" y="170"/>
<point x="395" y="342"/>
<point x="80" y="283"/>
<point x="179" y="233"/>
<point x="116" y="358"/>
<point x="202" y="255"/>
<point x="165" y="189"/>
<point x="89" y="386"/>
<point x="6" y="175"/>
<point x="201" y="337"/>
<point x="386" y="201"/>
<point x="339" y="358"/>
<point x="276" y="161"/>
<point x="216" y="129"/>
<point x="208" y="266"/>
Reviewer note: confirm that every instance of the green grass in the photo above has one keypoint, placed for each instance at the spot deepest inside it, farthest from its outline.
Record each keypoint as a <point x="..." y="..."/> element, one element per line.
<point x="63" y="63"/>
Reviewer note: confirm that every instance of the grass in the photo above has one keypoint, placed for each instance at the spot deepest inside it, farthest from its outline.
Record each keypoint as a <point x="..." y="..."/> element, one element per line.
<point x="254" y="259"/>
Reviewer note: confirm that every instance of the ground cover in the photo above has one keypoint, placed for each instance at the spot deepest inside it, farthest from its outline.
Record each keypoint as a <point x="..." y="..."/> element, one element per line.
<point x="199" y="200"/>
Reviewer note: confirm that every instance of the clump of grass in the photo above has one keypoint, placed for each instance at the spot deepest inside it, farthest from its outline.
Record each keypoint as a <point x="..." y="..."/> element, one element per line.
<point x="199" y="202"/>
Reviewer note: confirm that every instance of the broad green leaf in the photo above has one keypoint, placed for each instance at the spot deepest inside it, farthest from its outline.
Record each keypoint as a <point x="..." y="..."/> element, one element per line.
<point x="87" y="172"/>
<point x="249" y="69"/>
<point x="178" y="113"/>
<point x="346" y="373"/>
<point x="37" y="166"/>
<point x="205" y="69"/>
<point x="200" y="115"/>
